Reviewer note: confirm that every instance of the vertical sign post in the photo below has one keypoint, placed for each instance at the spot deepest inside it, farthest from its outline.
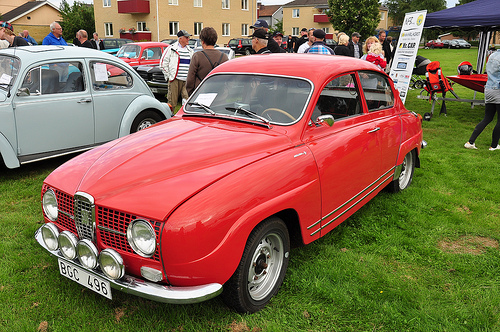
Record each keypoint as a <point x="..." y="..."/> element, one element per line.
<point x="406" y="51"/>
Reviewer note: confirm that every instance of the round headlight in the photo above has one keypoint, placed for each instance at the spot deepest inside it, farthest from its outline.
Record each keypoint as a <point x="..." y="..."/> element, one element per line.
<point x="50" y="233"/>
<point x="111" y="264"/>
<point x="141" y="237"/>
<point x="67" y="244"/>
<point x="49" y="204"/>
<point x="87" y="253"/>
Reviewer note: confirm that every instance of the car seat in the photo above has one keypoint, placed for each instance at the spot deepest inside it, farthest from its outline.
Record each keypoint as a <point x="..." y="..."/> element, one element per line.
<point x="435" y="83"/>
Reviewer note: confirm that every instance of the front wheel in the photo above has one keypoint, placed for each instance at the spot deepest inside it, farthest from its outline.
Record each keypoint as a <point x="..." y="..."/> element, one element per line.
<point x="144" y="120"/>
<point x="406" y="175"/>
<point x="262" y="267"/>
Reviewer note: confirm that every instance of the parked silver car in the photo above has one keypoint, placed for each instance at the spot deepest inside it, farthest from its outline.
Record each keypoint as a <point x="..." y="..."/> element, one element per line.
<point x="55" y="100"/>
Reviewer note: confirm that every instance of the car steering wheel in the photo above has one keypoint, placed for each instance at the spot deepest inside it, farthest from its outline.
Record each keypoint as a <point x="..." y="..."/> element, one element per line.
<point x="279" y="111"/>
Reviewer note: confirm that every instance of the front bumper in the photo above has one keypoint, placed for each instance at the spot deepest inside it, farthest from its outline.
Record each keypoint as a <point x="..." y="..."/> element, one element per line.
<point x="148" y="290"/>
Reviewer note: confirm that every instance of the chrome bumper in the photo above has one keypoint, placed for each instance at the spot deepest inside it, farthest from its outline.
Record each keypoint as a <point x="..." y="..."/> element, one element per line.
<point x="148" y="290"/>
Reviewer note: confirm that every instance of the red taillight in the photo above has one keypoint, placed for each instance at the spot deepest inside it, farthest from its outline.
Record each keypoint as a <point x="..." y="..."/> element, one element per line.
<point x="239" y="44"/>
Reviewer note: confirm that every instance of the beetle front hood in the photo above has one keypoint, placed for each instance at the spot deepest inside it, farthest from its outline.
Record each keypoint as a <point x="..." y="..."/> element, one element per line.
<point x="153" y="171"/>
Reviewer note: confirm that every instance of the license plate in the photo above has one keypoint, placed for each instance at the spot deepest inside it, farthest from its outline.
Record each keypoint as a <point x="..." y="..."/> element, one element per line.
<point x="154" y="90"/>
<point x="79" y="275"/>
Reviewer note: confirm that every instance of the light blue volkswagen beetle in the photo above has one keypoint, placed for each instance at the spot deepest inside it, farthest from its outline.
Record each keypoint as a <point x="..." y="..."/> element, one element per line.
<point x="56" y="100"/>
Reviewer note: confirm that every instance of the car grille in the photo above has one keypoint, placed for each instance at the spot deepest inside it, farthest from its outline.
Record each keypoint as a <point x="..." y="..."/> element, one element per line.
<point x="158" y="77"/>
<point x="144" y="75"/>
<point x="76" y="216"/>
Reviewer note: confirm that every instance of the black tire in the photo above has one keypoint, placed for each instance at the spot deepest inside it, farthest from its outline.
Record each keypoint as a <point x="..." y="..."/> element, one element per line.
<point x="406" y="175"/>
<point x="247" y="51"/>
<point x="145" y="119"/>
<point x="262" y="268"/>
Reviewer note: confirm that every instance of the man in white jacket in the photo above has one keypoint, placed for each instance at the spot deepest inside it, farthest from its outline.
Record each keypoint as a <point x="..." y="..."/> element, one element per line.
<point x="174" y="63"/>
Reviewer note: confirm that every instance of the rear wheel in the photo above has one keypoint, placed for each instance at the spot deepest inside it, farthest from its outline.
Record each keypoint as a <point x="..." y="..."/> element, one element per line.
<point x="406" y="175"/>
<point x="248" y="52"/>
<point x="145" y="119"/>
<point x="262" y="267"/>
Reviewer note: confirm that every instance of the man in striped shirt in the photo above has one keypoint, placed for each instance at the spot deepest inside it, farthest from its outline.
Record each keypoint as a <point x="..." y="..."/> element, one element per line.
<point x="174" y="63"/>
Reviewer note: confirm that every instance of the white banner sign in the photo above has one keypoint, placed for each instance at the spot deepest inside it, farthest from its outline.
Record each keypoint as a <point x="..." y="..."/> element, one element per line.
<point x="406" y="51"/>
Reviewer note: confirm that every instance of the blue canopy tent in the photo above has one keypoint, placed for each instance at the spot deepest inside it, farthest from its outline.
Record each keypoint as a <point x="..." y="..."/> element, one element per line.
<point x="483" y="15"/>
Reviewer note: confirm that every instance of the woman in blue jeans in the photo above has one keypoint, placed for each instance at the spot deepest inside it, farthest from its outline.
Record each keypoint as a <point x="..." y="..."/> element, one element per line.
<point x="492" y="100"/>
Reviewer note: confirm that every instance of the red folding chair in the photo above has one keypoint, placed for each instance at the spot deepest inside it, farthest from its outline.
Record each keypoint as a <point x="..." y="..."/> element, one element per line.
<point x="436" y="82"/>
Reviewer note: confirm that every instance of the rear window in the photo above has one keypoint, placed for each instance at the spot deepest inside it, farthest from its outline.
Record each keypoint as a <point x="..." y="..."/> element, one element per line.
<point x="233" y="42"/>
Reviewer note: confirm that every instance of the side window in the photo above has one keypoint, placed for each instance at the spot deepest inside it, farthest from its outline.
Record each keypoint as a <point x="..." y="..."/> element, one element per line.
<point x="377" y="90"/>
<point x="339" y="98"/>
<point x="54" y="77"/>
<point x="152" y="53"/>
<point x="106" y="76"/>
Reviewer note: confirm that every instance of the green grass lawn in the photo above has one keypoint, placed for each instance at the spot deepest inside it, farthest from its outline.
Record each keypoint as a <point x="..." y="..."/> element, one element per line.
<point x="426" y="259"/>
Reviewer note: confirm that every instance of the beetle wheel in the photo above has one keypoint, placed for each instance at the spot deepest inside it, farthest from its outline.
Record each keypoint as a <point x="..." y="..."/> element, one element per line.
<point x="279" y="111"/>
<point x="262" y="267"/>
<point x="144" y="120"/>
<point x="406" y="175"/>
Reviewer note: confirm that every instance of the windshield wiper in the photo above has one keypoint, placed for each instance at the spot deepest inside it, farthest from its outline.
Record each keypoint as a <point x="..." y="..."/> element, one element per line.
<point x="204" y="107"/>
<point x="250" y="113"/>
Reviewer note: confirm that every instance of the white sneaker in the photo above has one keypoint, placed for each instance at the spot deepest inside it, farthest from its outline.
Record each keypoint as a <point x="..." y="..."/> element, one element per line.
<point x="493" y="149"/>
<point x="467" y="145"/>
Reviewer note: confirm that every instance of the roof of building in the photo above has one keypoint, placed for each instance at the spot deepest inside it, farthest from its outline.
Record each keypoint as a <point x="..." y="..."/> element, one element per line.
<point x="268" y="10"/>
<point x="25" y="9"/>
<point x="306" y="3"/>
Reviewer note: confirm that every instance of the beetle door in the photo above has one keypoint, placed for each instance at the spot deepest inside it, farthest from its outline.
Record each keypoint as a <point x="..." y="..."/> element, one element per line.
<point x="346" y="153"/>
<point x="54" y="109"/>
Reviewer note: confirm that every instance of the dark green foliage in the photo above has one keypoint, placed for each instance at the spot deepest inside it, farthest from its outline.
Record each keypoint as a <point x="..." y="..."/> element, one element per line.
<point x="79" y="16"/>
<point x="354" y="16"/>
<point x="398" y="8"/>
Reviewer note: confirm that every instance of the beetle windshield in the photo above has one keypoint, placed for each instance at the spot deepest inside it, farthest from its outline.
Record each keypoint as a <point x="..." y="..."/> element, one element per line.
<point x="9" y="67"/>
<point x="278" y="100"/>
<point x="129" y="51"/>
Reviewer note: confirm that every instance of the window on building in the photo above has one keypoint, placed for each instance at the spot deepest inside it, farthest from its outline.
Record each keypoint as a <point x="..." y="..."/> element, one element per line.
<point x="198" y="3"/>
<point x="141" y="26"/>
<point x="326" y="30"/>
<point x="226" y="31"/>
<point x="244" y="29"/>
<point x="106" y="3"/>
<point x="197" y="28"/>
<point x="295" y="13"/>
<point x="244" y="4"/>
<point x="173" y="28"/>
<point x="382" y="16"/>
<point x="173" y="2"/>
<point x="108" y="29"/>
<point x="225" y="4"/>
<point x="295" y="31"/>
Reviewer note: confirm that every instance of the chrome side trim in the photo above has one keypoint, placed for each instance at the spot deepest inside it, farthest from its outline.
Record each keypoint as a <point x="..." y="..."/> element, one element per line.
<point x="148" y="290"/>
<point x="350" y="200"/>
<point x="102" y="228"/>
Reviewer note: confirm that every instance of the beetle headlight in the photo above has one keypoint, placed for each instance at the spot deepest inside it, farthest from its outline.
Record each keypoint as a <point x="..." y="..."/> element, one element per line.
<point x="141" y="237"/>
<point x="111" y="264"/>
<point x="87" y="253"/>
<point x="50" y="233"/>
<point x="49" y="204"/>
<point x="67" y="244"/>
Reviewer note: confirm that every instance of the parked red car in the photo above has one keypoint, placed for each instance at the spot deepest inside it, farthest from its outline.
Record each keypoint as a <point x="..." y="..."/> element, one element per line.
<point x="257" y="161"/>
<point x="434" y="44"/>
<point x="142" y="53"/>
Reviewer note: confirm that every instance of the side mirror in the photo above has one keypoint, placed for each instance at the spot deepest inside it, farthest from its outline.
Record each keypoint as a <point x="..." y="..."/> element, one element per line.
<point x="23" y="92"/>
<point x="328" y="119"/>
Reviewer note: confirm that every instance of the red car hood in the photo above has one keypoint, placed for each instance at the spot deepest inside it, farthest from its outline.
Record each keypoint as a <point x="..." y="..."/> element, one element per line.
<point x="153" y="171"/>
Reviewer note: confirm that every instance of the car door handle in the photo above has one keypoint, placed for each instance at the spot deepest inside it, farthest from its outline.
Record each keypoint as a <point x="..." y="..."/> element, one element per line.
<point x="85" y="100"/>
<point x="374" y="130"/>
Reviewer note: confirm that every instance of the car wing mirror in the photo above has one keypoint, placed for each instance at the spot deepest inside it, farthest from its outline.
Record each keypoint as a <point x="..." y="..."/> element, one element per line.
<point x="23" y="92"/>
<point x="328" y="119"/>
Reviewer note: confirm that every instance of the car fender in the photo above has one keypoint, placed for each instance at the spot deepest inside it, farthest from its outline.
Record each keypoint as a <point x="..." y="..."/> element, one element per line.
<point x="412" y="136"/>
<point x="8" y="154"/>
<point x="203" y="239"/>
<point x="138" y="105"/>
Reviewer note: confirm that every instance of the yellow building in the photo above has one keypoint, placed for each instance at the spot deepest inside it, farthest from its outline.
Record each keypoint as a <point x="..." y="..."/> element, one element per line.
<point x="156" y="20"/>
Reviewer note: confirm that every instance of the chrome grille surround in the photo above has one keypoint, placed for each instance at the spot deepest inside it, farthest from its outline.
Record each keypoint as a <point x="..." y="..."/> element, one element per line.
<point x="84" y="216"/>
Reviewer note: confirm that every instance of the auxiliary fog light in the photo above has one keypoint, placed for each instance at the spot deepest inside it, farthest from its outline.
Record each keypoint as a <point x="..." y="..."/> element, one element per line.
<point x="87" y="253"/>
<point x="141" y="237"/>
<point x="151" y="274"/>
<point x="111" y="264"/>
<point x="49" y="204"/>
<point x="50" y="233"/>
<point x="67" y="244"/>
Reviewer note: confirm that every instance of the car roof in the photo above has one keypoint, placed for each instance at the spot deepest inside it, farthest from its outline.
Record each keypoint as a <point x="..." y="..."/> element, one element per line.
<point x="147" y="44"/>
<point x="42" y="52"/>
<point x="310" y="66"/>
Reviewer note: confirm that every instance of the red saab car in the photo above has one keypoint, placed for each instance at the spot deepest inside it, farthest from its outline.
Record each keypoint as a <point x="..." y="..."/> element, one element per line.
<point x="142" y="53"/>
<point x="257" y="161"/>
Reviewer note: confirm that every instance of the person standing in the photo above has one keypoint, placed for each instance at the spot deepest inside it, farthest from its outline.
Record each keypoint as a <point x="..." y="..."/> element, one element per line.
<point x="55" y="36"/>
<point x="97" y="43"/>
<point x="203" y="62"/>
<point x="386" y="47"/>
<point x="7" y="33"/>
<point x="82" y="38"/>
<point x="304" y="38"/>
<point x="355" y="46"/>
<point x="310" y="40"/>
<point x="174" y="64"/>
<point x="272" y="45"/>
<point x="260" y="42"/>
<point x="492" y="101"/>
<point x="342" y="48"/>
<point x="28" y="38"/>
<point x="319" y="46"/>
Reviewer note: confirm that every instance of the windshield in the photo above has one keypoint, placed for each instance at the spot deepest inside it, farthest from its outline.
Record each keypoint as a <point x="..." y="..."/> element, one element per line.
<point x="129" y="51"/>
<point x="277" y="100"/>
<point x="9" y="68"/>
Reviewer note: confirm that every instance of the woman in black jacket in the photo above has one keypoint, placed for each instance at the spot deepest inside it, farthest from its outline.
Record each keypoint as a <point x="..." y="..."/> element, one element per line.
<point x="341" y="48"/>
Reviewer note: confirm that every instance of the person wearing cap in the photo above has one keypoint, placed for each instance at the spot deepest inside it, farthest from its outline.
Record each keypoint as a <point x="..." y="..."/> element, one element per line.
<point x="304" y="38"/>
<point x="310" y="40"/>
<point x="290" y="44"/>
<point x="355" y="46"/>
<point x="278" y="38"/>
<point x="319" y="46"/>
<point x="174" y="64"/>
<point x="55" y="36"/>
<point x="260" y="42"/>
<point x="272" y="45"/>
<point x="7" y="33"/>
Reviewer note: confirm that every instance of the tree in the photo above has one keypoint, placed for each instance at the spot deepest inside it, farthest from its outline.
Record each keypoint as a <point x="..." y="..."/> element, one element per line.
<point x="277" y="27"/>
<point x="354" y="16"/>
<point x="76" y="17"/>
<point x="398" y="8"/>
